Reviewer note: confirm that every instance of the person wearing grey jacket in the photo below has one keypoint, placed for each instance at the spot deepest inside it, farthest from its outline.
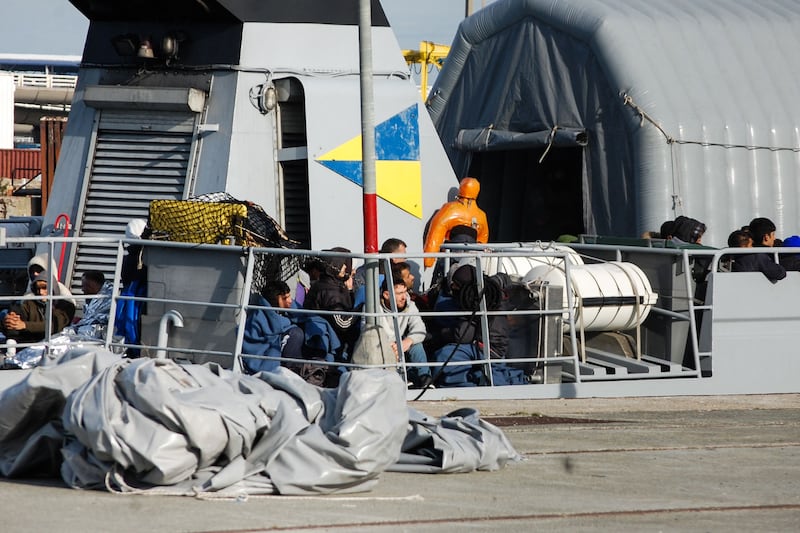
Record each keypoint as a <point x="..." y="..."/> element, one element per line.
<point x="411" y="329"/>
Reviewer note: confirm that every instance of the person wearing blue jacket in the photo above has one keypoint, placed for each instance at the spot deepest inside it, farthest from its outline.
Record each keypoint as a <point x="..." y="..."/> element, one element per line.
<point x="285" y="338"/>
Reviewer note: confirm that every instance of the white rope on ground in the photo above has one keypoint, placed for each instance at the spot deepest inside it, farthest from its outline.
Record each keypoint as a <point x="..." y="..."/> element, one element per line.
<point x="243" y="497"/>
<point x="116" y="484"/>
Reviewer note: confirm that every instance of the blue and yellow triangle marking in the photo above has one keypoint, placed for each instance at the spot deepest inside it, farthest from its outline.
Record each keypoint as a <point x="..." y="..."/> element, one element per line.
<point x="397" y="168"/>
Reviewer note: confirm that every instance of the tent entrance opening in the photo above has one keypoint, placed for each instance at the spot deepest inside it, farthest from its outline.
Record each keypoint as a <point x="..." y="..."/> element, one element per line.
<point x="526" y="200"/>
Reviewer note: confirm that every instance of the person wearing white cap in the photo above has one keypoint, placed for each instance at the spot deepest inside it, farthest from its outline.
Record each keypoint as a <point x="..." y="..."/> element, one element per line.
<point x="134" y="283"/>
<point x="132" y="267"/>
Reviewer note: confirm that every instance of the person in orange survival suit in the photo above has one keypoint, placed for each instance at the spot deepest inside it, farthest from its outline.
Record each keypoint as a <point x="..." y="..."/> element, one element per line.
<point x="463" y="211"/>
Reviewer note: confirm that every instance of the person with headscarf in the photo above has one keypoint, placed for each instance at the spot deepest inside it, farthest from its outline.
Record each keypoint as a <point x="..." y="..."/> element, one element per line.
<point x="133" y="269"/>
<point x="458" y="337"/>
<point x="38" y="266"/>
<point x="463" y="211"/>
<point x="687" y="232"/>
<point x="453" y="326"/>
<point x="683" y="230"/>
<point x="26" y="321"/>
<point x="133" y="276"/>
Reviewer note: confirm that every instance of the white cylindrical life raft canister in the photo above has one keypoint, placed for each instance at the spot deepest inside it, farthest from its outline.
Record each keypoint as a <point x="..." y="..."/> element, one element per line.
<point x="519" y="265"/>
<point x="607" y="296"/>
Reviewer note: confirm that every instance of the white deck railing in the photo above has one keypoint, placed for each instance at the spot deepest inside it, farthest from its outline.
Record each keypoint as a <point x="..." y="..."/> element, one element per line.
<point x="574" y="364"/>
<point x="45" y="81"/>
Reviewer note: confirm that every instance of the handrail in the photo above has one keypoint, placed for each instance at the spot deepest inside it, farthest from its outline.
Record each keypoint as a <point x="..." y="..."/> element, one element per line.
<point x="62" y="222"/>
<point x="479" y="252"/>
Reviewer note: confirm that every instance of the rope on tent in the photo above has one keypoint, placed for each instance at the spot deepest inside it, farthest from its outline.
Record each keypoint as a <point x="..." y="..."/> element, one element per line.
<point x="627" y="100"/>
<point x="549" y="143"/>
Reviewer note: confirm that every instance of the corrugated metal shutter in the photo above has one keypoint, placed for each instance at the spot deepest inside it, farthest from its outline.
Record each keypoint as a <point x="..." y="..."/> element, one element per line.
<point x="138" y="156"/>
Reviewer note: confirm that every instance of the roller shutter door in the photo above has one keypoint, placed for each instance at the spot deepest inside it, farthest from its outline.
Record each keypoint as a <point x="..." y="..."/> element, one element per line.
<point x="138" y="156"/>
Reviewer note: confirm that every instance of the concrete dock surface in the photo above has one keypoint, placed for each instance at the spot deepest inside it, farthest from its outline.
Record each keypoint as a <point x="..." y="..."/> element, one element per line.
<point x="635" y="464"/>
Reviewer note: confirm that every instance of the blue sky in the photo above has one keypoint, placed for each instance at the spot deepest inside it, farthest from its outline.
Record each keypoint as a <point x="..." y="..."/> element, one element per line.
<point x="56" y="27"/>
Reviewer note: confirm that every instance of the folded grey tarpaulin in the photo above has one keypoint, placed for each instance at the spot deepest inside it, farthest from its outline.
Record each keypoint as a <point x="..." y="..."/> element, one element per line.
<point x="490" y="139"/>
<point x="457" y="442"/>
<point x="136" y="425"/>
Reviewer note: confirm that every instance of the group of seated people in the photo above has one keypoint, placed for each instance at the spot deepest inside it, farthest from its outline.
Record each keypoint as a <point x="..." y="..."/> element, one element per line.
<point x="25" y="321"/>
<point x="438" y="340"/>
<point x="759" y="233"/>
<point x="282" y="330"/>
<point x="295" y="339"/>
<point x="299" y="338"/>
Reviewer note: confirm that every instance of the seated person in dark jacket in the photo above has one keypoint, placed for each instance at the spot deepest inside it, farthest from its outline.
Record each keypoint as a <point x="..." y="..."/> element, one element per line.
<point x="763" y="232"/>
<point x="439" y="281"/>
<point x="26" y="322"/>
<point x="686" y="232"/>
<point x="763" y="263"/>
<point x="270" y="332"/>
<point x="739" y="238"/>
<point x="760" y="263"/>
<point x="466" y="329"/>
<point x="460" y="338"/>
<point x="306" y="339"/>
<point x="334" y="292"/>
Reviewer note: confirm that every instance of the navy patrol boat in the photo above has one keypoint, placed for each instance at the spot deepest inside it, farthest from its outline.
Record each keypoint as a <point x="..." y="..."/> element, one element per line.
<point x="184" y="107"/>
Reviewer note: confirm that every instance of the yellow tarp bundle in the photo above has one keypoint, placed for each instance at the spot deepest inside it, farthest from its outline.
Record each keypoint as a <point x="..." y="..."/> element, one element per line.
<point x="197" y="222"/>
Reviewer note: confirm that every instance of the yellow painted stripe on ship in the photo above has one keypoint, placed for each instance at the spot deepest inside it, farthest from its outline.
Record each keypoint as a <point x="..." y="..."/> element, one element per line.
<point x="348" y="151"/>
<point x="400" y="183"/>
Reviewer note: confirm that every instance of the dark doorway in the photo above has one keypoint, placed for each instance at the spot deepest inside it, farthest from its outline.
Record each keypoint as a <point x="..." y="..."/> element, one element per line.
<point x="526" y="200"/>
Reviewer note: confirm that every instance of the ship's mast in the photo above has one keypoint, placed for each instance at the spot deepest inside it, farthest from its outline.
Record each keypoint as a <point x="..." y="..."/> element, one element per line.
<point x="368" y="158"/>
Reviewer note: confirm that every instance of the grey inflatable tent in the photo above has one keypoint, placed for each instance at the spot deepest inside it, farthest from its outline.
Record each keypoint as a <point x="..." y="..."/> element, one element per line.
<point x="611" y="116"/>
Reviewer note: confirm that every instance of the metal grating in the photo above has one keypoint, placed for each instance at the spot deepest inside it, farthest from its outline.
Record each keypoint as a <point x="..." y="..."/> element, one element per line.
<point x="138" y="157"/>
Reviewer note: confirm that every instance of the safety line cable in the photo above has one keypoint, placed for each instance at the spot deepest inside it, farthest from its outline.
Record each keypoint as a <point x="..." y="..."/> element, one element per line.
<point x="644" y="116"/>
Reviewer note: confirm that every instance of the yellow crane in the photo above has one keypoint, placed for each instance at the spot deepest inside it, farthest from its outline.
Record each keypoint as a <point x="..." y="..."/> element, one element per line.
<point x="429" y="54"/>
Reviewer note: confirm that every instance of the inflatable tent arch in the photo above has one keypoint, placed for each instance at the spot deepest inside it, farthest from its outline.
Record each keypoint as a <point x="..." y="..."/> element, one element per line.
<point x="649" y="109"/>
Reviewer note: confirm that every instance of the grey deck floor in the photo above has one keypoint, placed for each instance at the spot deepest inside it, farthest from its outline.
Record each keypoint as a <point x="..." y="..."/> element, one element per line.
<point x="654" y="464"/>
